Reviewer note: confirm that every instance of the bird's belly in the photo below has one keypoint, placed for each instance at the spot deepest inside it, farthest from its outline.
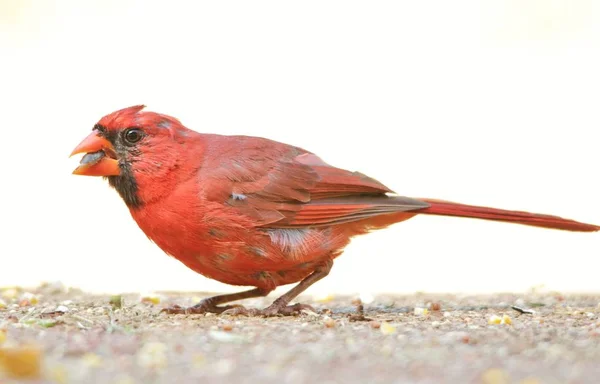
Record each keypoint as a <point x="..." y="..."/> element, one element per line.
<point x="241" y="267"/>
<point x="254" y="276"/>
<point x="242" y="256"/>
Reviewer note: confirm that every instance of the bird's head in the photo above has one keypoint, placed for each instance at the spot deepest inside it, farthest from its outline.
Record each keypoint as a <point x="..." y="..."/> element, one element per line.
<point x="137" y="151"/>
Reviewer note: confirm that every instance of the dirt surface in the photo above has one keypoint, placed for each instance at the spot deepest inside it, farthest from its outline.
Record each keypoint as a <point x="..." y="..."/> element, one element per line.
<point x="53" y="335"/>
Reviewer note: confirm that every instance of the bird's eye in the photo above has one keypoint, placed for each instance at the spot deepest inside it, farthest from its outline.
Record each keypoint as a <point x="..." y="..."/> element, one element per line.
<point x="133" y="135"/>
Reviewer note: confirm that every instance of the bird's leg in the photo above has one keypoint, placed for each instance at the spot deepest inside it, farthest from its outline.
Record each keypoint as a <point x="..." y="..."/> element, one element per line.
<point x="280" y="305"/>
<point x="211" y="304"/>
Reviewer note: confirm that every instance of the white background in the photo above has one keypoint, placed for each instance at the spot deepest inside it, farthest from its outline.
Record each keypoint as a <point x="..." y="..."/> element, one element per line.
<point x="492" y="103"/>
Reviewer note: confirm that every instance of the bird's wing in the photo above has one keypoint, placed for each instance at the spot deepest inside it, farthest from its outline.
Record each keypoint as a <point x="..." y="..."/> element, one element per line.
<point x="280" y="186"/>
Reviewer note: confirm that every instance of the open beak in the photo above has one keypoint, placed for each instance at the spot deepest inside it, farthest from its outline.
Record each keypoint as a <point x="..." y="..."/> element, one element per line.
<point x="100" y="158"/>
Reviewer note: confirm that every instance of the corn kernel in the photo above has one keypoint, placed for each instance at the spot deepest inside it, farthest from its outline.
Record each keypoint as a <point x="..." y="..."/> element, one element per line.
<point x="21" y="362"/>
<point x="387" y="328"/>
<point x="151" y="300"/>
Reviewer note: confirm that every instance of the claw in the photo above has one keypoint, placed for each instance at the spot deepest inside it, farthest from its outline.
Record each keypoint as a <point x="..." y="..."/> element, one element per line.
<point x="174" y="309"/>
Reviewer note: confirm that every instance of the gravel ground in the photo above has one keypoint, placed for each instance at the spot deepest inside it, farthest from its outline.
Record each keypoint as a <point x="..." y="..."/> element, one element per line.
<point x="53" y="335"/>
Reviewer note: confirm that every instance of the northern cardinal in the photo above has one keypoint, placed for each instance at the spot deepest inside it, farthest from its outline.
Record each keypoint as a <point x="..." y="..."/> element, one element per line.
<point x="251" y="211"/>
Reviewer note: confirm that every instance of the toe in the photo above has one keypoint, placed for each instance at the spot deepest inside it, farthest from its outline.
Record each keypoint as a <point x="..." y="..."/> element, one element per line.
<point x="173" y="310"/>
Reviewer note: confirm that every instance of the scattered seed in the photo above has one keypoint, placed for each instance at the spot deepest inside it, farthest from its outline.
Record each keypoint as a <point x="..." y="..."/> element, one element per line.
<point x="47" y="323"/>
<point x="227" y="327"/>
<point x="421" y="311"/>
<point x="387" y="329"/>
<point x="154" y="300"/>
<point x="329" y="322"/>
<point x="116" y="301"/>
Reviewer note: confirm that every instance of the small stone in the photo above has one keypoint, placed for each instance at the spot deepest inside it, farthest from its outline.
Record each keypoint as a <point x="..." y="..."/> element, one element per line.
<point x="310" y="313"/>
<point x="419" y="311"/>
<point x="329" y="322"/>
<point x="62" y="308"/>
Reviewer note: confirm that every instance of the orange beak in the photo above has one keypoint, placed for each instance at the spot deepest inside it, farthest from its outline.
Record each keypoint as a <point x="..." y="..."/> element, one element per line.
<point x="99" y="159"/>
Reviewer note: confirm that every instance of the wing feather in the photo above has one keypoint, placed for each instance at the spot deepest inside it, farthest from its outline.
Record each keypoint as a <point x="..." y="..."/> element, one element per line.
<point x="281" y="186"/>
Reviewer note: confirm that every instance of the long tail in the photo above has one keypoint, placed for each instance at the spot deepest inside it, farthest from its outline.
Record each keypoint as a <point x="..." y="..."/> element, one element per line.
<point x="446" y="208"/>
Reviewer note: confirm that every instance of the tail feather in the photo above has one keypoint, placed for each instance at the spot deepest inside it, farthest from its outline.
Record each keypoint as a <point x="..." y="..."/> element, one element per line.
<point x="446" y="208"/>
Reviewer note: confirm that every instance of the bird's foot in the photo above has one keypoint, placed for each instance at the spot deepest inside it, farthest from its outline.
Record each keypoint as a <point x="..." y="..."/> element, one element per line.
<point x="271" y="311"/>
<point x="202" y="307"/>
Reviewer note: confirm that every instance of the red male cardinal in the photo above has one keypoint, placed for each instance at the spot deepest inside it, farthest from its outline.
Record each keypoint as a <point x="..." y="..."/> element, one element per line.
<point x="250" y="211"/>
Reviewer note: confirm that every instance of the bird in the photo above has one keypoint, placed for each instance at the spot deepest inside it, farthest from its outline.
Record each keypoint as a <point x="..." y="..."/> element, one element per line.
<point x="250" y="211"/>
